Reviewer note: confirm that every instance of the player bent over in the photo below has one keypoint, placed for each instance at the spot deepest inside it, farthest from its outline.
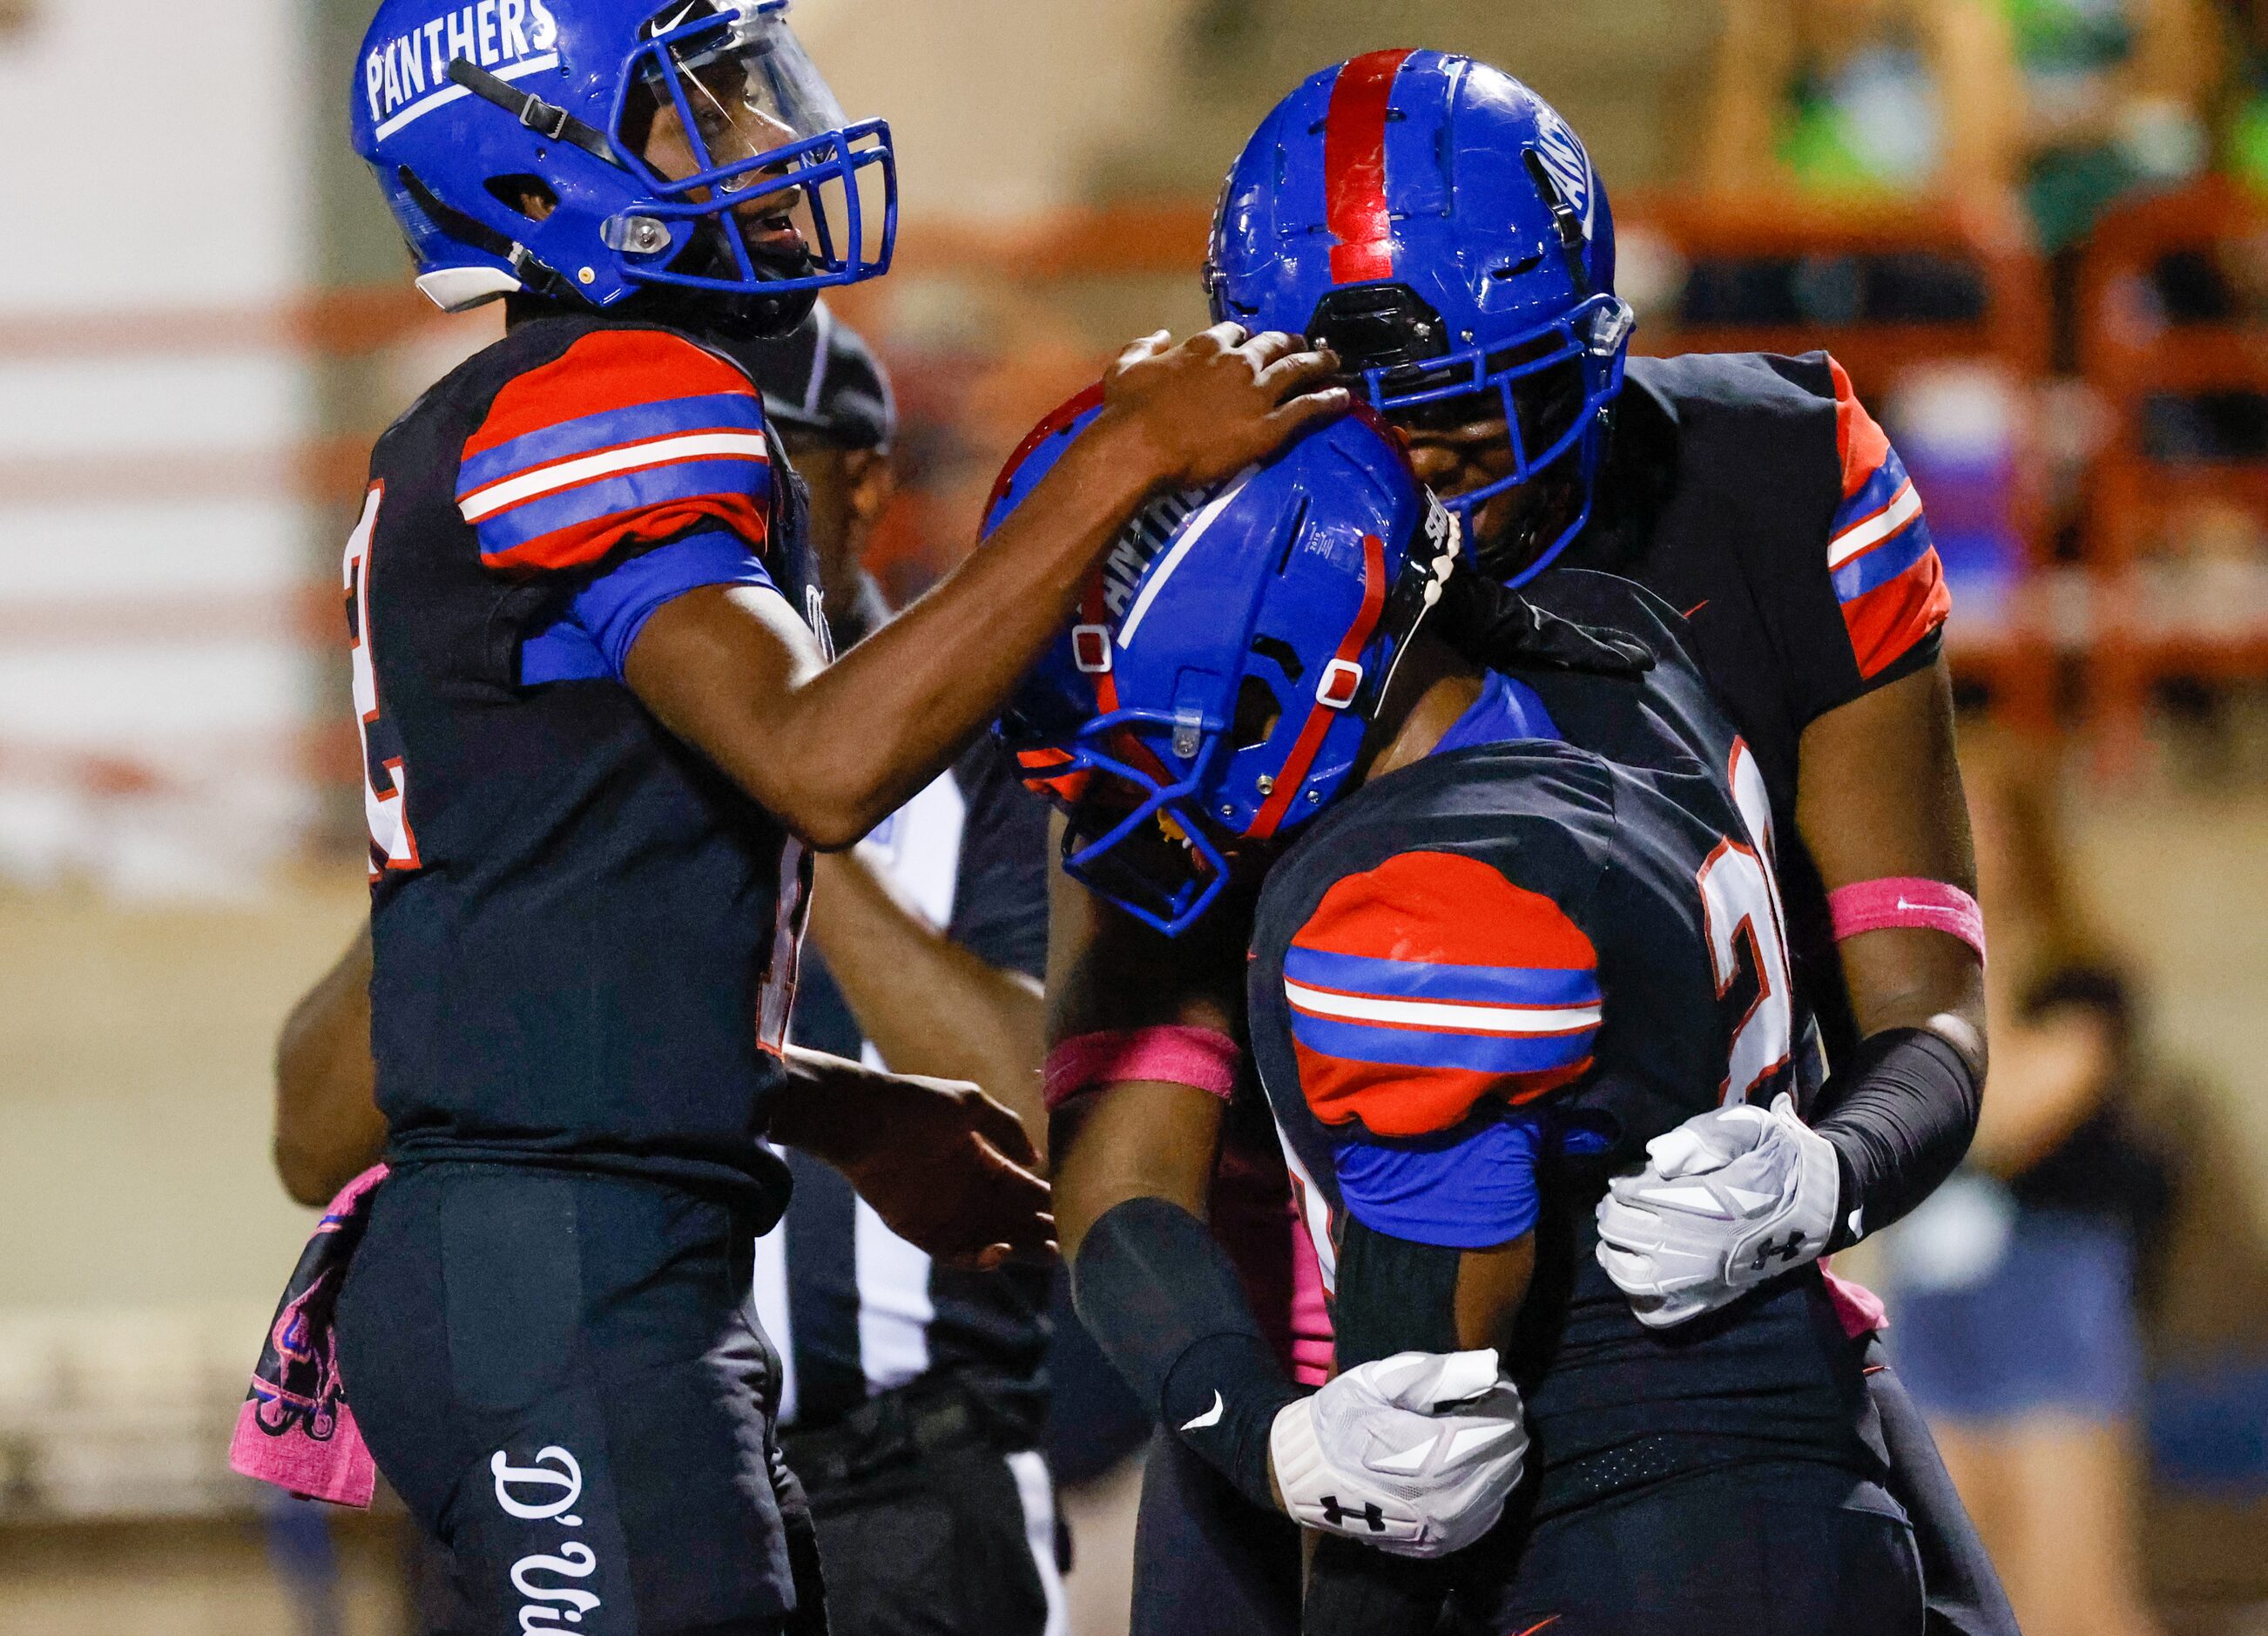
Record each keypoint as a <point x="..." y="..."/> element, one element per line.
<point x="1442" y="228"/>
<point x="1514" y="923"/>
<point x="601" y="731"/>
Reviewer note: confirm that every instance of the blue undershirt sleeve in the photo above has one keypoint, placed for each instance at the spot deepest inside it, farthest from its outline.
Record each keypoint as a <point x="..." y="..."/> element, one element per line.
<point x="590" y="641"/>
<point x="613" y="609"/>
<point x="1473" y="1188"/>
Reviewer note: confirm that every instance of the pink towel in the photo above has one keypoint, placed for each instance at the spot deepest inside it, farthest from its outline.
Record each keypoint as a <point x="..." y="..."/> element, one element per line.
<point x="295" y="1429"/>
<point x="1862" y="1309"/>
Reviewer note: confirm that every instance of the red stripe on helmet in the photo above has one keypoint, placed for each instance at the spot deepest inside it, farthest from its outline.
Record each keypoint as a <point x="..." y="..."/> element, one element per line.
<point x="1354" y="167"/>
<point x="1092" y="611"/>
<point x="1320" y="715"/>
<point x="1057" y="419"/>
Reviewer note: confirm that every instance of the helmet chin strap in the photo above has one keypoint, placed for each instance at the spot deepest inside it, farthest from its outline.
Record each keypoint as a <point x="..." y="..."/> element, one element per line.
<point x="738" y="317"/>
<point x="532" y="111"/>
<point x="535" y="276"/>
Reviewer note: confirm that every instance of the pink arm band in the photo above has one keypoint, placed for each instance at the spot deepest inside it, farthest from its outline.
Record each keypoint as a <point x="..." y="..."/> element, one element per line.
<point x="1907" y="901"/>
<point x="1201" y="1058"/>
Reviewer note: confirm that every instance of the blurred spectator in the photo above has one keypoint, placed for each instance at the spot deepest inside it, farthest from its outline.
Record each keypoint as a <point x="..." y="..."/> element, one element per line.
<point x="2244" y="112"/>
<point x="2115" y="93"/>
<point x="1961" y="427"/>
<point x="2069" y="102"/>
<point x="2014" y="1288"/>
<point x="1862" y="98"/>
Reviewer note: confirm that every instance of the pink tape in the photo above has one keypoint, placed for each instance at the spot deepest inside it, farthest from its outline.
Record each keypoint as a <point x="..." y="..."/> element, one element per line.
<point x="1201" y="1058"/>
<point x="1907" y="901"/>
<point x="1312" y="1348"/>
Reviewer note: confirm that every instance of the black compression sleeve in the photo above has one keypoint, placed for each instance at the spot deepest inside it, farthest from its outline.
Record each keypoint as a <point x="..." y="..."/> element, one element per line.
<point x="1162" y="1300"/>
<point x="1901" y="1116"/>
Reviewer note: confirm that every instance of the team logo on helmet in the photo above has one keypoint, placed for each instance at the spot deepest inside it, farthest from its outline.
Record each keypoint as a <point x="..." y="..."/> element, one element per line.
<point x="1149" y="532"/>
<point x="1562" y="156"/>
<point x="408" y="74"/>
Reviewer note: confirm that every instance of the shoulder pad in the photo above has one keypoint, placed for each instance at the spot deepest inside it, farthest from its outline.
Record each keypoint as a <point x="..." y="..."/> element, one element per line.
<point x="1888" y="578"/>
<point x="628" y="436"/>
<point x="1421" y="987"/>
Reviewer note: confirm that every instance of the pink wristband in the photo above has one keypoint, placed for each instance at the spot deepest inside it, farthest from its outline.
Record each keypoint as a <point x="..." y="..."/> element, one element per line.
<point x="1202" y="1058"/>
<point x="1907" y="901"/>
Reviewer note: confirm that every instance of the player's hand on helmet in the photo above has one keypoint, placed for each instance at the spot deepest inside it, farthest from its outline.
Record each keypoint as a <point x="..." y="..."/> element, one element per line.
<point x="1414" y="1453"/>
<point x="947" y="1168"/>
<point x="1202" y="410"/>
<point x="1726" y="1200"/>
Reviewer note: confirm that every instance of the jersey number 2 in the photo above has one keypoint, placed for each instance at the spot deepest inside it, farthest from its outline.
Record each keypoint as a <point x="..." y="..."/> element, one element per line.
<point x="385" y="781"/>
<point x="1747" y="942"/>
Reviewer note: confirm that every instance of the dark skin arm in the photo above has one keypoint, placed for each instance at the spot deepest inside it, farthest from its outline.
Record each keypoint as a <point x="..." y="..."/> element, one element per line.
<point x="1879" y="795"/>
<point x="328" y="1130"/>
<point x="831" y="749"/>
<point x="930" y="1006"/>
<point x="1352" y="1589"/>
<point x="943" y="1164"/>
<point x="1136" y="1138"/>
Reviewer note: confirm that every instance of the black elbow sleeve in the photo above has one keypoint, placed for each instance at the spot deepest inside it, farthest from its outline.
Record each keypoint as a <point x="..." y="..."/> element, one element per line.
<point x="1162" y="1300"/>
<point x="1901" y="1116"/>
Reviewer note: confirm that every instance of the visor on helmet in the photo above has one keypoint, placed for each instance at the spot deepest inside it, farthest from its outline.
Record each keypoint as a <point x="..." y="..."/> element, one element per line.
<point x="743" y="143"/>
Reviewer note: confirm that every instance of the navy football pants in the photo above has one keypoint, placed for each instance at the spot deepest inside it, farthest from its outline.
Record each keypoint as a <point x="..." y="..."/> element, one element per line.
<point x="1790" y="1549"/>
<point x="558" y="1373"/>
<point x="1206" y="1565"/>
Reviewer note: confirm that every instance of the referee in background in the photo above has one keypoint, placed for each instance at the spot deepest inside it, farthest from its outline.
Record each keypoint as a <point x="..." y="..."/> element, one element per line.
<point x="915" y="1398"/>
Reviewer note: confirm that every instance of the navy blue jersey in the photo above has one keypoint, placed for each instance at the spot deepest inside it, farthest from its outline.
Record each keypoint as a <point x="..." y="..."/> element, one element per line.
<point x="1756" y="495"/>
<point x="585" y="934"/>
<point x="1483" y="982"/>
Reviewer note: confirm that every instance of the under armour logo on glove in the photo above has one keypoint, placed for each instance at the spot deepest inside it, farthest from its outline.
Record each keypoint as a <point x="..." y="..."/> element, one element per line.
<point x="1790" y="1251"/>
<point x="1726" y="1200"/>
<point x="1337" y="1514"/>
<point x="1415" y="1453"/>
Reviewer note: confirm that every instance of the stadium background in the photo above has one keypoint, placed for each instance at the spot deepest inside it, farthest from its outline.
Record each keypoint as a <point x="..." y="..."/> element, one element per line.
<point x="204" y="316"/>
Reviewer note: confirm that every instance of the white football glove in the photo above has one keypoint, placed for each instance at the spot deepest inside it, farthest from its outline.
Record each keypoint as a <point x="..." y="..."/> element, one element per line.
<point x="1727" y="1199"/>
<point x="1415" y="1453"/>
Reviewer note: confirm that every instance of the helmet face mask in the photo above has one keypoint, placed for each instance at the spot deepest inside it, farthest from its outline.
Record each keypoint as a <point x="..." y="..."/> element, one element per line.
<point x="1440" y="227"/>
<point x="1528" y="438"/>
<point x="725" y="118"/>
<point x="1136" y="835"/>
<point x="1538" y="395"/>
<point x="690" y="154"/>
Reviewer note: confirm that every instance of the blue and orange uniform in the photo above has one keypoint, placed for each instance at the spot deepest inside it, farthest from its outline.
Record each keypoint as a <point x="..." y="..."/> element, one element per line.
<point x="1756" y="495"/>
<point x="1479" y="985"/>
<point x="584" y="941"/>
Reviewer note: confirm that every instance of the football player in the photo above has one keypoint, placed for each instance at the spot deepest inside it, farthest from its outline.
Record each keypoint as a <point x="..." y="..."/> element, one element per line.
<point x="913" y="1393"/>
<point x="1442" y="228"/>
<point x="1503" y="913"/>
<point x="600" y="733"/>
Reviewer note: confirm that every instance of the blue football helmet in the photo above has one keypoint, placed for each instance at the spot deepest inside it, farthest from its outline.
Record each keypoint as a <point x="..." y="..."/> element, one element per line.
<point x="1438" y="225"/>
<point x="1229" y="655"/>
<point x="657" y="136"/>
